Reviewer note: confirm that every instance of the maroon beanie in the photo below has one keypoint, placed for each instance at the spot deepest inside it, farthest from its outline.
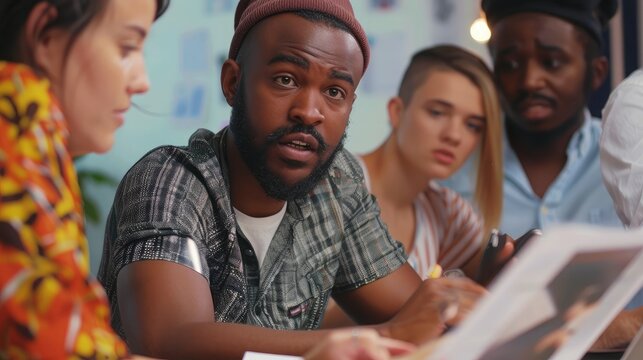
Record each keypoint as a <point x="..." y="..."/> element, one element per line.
<point x="250" y="12"/>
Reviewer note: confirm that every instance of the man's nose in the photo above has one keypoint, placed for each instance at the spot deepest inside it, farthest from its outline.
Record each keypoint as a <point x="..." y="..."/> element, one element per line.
<point x="306" y="108"/>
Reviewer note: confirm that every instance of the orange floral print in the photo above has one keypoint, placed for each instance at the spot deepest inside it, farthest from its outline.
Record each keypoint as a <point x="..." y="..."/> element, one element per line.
<point x="50" y="305"/>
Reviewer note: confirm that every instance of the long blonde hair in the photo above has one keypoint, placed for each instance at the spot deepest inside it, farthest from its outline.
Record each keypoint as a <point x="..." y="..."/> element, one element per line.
<point x="488" y="191"/>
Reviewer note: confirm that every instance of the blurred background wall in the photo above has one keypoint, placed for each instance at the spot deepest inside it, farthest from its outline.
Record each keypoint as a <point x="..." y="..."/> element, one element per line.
<point x="189" y="43"/>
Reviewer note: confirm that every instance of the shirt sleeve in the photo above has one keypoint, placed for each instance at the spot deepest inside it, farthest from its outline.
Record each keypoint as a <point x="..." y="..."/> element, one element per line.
<point x="157" y="216"/>
<point x="621" y="149"/>
<point x="50" y="307"/>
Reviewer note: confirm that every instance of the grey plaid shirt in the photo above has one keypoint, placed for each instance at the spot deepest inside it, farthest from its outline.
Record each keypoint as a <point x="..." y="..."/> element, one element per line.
<point x="174" y="205"/>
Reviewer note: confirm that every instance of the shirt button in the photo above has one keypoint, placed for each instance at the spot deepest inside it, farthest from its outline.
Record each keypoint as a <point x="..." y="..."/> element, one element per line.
<point x="248" y="252"/>
<point x="544" y="210"/>
<point x="257" y="309"/>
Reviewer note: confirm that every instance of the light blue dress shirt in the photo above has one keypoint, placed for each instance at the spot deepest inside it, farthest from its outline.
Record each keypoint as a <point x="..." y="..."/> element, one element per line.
<point x="577" y="195"/>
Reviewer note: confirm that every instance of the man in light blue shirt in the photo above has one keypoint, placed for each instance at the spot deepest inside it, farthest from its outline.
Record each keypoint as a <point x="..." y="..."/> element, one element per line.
<point x="576" y="195"/>
<point x="547" y="59"/>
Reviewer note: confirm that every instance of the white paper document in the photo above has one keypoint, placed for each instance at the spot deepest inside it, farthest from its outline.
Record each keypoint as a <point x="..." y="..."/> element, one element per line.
<point x="554" y="300"/>
<point x="250" y="355"/>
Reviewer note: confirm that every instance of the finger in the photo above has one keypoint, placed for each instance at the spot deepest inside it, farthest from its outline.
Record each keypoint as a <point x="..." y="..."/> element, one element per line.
<point x="462" y="284"/>
<point x="370" y="346"/>
<point x="506" y="252"/>
<point x="396" y="347"/>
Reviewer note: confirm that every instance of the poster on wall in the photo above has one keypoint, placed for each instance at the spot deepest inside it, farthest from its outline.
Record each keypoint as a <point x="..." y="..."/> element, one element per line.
<point x="192" y="91"/>
<point x="213" y="7"/>
<point x="388" y="61"/>
<point x="384" y="5"/>
<point x="190" y="104"/>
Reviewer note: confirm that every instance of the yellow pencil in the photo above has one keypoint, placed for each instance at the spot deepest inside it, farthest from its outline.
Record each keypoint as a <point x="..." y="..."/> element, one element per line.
<point x="435" y="272"/>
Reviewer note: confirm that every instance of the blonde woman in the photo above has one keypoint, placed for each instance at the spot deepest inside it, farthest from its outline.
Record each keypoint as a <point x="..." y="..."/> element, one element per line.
<point x="446" y="109"/>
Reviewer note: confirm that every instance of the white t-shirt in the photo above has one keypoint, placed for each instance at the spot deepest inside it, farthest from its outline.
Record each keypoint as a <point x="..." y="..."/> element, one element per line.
<point x="260" y="231"/>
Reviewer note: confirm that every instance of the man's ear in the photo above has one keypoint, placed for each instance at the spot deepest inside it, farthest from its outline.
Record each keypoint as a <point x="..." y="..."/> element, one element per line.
<point x="395" y="107"/>
<point x="600" y="67"/>
<point x="42" y="43"/>
<point x="230" y="80"/>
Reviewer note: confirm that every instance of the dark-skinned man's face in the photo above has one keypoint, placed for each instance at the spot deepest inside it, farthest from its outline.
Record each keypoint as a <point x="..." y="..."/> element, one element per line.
<point x="292" y="107"/>
<point x="541" y="71"/>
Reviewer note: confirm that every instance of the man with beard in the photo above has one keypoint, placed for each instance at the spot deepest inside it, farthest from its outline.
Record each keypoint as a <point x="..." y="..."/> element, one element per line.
<point x="547" y="60"/>
<point x="231" y="243"/>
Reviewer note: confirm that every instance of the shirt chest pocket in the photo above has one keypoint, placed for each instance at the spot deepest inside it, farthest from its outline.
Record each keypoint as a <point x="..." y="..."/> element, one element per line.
<point x="304" y="296"/>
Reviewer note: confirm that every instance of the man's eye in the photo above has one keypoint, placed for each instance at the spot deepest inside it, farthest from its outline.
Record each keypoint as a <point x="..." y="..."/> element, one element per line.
<point x="336" y="93"/>
<point x="285" y="80"/>
<point x="552" y="63"/>
<point x="507" y="65"/>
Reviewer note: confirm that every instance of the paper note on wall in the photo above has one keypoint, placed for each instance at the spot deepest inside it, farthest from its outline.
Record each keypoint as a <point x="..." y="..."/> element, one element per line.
<point x="192" y="92"/>
<point x="190" y="104"/>
<point x="388" y="60"/>
<point x="213" y="7"/>
<point x="195" y="52"/>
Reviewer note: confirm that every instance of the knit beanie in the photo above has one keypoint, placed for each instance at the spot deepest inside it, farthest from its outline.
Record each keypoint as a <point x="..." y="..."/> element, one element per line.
<point x="590" y="15"/>
<point x="251" y="12"/>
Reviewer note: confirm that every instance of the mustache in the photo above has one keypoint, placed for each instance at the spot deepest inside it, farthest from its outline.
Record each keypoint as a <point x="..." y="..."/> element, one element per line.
<point x="525" y="96"/>
<point x="276" y="135"/>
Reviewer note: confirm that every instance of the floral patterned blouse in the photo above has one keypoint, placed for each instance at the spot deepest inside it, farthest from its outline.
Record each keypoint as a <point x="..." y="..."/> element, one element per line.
<point x="50" y="305"/>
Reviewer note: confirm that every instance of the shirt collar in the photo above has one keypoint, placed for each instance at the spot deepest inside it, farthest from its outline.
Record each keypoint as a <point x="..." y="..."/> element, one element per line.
<point x="580" y="143"/>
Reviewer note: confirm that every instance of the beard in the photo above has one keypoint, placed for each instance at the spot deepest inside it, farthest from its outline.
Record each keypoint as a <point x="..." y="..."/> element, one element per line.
<point x="255" y="156"/>
<point x="574" y="122"/>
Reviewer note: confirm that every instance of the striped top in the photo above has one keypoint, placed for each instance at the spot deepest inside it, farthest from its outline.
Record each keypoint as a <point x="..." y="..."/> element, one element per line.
<point x="448" y="231"/>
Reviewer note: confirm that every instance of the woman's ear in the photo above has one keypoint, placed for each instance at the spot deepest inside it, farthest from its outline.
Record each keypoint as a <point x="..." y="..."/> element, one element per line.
<point x="230" y="80"/>
<point x="43" y="44"/>
<point x="395" y="107"/>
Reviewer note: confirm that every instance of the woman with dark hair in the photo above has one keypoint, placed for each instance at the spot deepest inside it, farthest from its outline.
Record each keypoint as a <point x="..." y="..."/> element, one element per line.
<point x="68" y="70"/>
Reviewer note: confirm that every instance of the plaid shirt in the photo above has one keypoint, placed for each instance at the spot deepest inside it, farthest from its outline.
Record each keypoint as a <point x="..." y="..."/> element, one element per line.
<point x="174" y="205"/>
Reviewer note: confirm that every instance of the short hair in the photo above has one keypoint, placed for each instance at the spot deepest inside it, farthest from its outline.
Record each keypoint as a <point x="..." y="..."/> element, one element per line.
<point x="488" y="192"/>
